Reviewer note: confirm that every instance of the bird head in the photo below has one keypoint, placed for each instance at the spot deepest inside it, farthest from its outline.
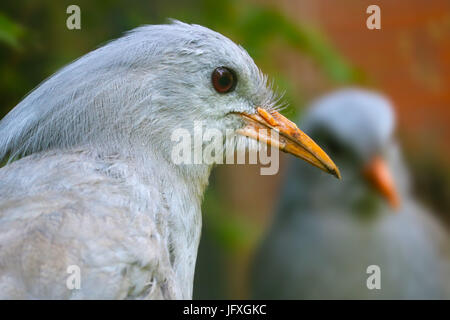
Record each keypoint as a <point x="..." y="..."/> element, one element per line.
<point x="135" y="91"/>
<point x="357" y="127"/>
<point x="204" y="76"/>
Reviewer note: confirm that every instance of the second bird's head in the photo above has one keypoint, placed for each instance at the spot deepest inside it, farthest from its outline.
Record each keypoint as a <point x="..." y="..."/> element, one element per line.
<point x="356" y="128"/>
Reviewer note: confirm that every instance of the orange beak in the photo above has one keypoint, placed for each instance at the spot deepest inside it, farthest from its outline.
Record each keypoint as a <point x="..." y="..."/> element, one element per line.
<point x="378" y="174"/>
<point x="290" y="138"/>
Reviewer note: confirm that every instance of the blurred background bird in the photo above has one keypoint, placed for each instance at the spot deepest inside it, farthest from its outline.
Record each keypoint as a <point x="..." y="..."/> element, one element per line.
<point x="325" y="236"/>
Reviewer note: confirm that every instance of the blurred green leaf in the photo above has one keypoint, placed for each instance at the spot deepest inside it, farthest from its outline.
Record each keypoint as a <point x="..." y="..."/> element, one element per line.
<point x="10" y="32"/>
<point x="260" y="24"/>
<point x="256" y="25"/>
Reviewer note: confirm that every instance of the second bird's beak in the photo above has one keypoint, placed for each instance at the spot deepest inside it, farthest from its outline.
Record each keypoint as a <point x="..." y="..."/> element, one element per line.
<point x="290" y="138"/>
<point x="378" y="174"/>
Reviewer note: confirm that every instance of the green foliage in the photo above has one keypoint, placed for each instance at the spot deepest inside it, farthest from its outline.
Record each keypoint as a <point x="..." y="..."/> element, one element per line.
<point x="259" y="25"/>
<point x="10" y="32"/>
<point x="230" y="229"/>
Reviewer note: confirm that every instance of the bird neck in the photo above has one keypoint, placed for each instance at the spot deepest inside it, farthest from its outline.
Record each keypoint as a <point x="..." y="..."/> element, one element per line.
<point x="183" y="195"/>
<point x="181" y="188"/>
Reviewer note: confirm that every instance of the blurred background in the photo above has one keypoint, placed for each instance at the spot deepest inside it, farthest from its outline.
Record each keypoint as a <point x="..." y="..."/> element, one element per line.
<point x="307" y="48"/>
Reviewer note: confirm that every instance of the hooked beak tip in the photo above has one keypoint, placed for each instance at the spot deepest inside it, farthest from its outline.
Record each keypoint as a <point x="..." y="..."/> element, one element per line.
<point x="335" y="172"/>
<point x="289" y="139"/>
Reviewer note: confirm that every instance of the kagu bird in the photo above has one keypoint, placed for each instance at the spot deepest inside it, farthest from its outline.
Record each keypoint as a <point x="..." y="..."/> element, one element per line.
<point x="91" y="182"/>
<point x="327" y="240"/>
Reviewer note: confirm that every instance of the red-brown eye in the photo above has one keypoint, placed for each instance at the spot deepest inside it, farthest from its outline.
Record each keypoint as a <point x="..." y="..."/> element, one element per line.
<point x="223" y="80"/>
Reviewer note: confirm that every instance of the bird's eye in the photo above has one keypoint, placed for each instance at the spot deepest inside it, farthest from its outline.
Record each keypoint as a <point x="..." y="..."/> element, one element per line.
<point x="223" y="79"/>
